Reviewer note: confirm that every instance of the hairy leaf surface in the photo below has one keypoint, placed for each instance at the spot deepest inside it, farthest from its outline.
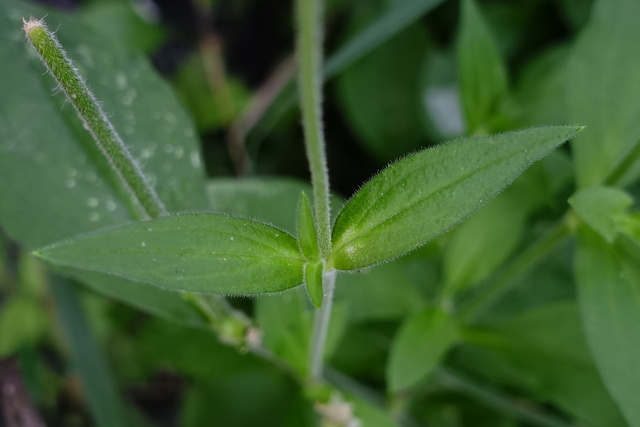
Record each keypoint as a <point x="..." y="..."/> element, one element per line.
<point x="189" y="252"/>
<point x="421" y="196"/>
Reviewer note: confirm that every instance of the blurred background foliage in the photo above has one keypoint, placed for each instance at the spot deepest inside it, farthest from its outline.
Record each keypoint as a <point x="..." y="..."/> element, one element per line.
<point x="522" y="362"/>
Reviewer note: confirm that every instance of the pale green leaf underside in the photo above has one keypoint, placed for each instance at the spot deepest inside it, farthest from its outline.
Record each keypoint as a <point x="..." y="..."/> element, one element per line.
<point x="421" y="196"/>
<point x="608" y="279"/>
<point x="190" y="252"/>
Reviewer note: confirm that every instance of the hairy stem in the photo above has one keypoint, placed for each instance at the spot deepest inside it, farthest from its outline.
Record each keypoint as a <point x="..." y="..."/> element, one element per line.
<point x="321" y="327"/>
<point x="142" y="194"/>
<point x="309" y="54"/>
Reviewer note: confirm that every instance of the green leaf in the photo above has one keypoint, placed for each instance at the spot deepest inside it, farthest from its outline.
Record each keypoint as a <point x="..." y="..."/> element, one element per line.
<point x="381" y="94"/>
<point x="28" y="314"/>
<point x="53" y="182"/>
<point x="482" y="243"/>
<point x="307" y="236"/>
<point x="602" y="208"/>
<point x="540" y="92"/>
<point x="286" y="323"/>
<point x="421" y="196"/>
<point x="542" y="351"/>
<point x="121" y="23"/>
<point x="389" y="292"/>
<point x="483" y="76"/>
<point x="608" y="277"/>
<point x="418" y="347"/>
<point x="313" y="282"/>
<point x="190" y="252"/>
<point x="397" y="17"/>
<point x="105" y="402"/>
<point x="268" y="199"/>
<point x="603" y="91"/>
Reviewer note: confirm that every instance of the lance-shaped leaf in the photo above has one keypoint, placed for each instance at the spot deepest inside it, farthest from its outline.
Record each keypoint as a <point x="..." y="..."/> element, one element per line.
<point x="421" y="196"/>
<point x="483" y="75"/>
<point x="608" y="278"/>
<point x="189" y="252"/>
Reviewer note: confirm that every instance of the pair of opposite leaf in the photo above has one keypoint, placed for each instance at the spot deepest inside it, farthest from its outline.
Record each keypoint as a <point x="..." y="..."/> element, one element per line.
<point x="406" y="205"/>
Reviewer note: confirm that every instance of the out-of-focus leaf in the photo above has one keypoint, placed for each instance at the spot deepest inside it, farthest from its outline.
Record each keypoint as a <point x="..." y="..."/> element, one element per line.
<point x="421" y="342"/>
<point x="153" y="300"/>
<point x="603" y="91"/>
<point x="22" y="322"/>
<point x="69" y="188"/>
<point x="190" y="252"/>
<point x="371" y="415"/>
<point x="543" y="351"/>
<point x="194" y="89"/>
<point x="576" y="11"/>
<point x="539" y="91"/>
<point x="608" y="277"/>
<point x="388" y="292"/>
<point x="286" y="321"/>
<point x="245" y="400"/>
<point x="602" y="208"/>
<point x="440" y="96"/>
<point x="482" y="243"/>
<point x="119" y="22"/>
<point x="381" y="95"/>
<point x="271" y="200"/>
<point x="483" y="76"/>
<point x="424" y="195"/>
<point x="105" y="403"/>
<point x="393" y="20"/>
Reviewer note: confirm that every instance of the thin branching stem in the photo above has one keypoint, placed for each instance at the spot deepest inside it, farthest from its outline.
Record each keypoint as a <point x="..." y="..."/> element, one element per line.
<point x="142" y="194"/>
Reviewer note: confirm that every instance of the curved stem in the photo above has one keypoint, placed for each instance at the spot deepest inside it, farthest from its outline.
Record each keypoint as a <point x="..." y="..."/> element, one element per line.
<point x="143" y="196"/>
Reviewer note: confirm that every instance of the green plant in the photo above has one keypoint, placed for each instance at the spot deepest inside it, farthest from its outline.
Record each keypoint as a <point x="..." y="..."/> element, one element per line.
<point x="177" y="259"/>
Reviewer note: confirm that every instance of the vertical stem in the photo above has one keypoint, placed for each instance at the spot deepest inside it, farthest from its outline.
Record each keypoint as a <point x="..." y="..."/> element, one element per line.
<point x="321" y="326"/>
<point x="95" y="120"/>
<point x="309" y="53"/>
